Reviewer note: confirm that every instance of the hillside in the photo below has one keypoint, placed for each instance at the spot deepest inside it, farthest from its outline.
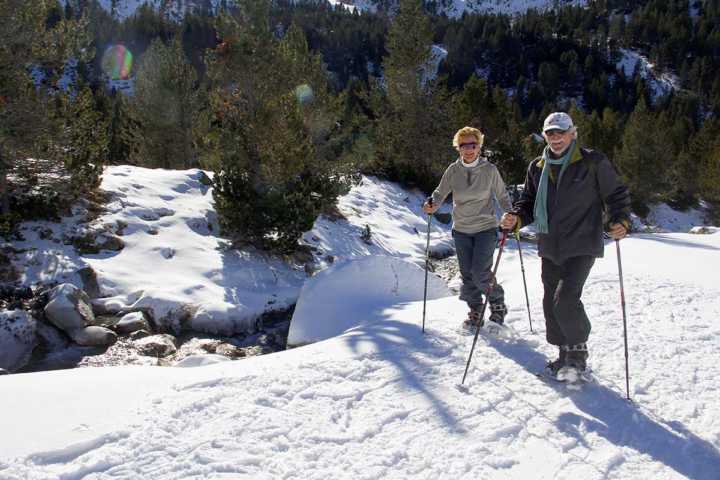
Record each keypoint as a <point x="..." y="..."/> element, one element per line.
<point x="381" y="399"/>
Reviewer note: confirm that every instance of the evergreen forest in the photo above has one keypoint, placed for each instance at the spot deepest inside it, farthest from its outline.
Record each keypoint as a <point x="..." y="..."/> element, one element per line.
<point x="288" y="102"/>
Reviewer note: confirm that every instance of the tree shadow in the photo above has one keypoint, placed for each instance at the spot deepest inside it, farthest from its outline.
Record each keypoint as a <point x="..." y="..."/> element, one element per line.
<point x="395" y="343"/>
<point x="624" y="423"/>
<point x="661" y="238"/>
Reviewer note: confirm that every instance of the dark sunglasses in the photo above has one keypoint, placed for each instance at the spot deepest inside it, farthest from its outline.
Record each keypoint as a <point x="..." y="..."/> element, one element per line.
<point x="471" y="145"/>
<point x="554" y="131"/>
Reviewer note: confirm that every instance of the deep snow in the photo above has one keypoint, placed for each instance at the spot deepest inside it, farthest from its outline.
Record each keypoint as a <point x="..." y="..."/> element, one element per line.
<point x="381" y="400"/>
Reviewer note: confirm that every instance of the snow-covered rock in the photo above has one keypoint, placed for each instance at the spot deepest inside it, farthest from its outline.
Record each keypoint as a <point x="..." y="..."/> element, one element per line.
<point x="201" y="360"/>
<point x="132" y="322"/>
<point x="69" y="308"/>
<point x="17" y="339"/>
<point x="336" y="299"/>
<point x="704" y="230"/>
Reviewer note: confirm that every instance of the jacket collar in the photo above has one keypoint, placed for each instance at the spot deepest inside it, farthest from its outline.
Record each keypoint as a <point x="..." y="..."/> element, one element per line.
<point x="577" y="156"/>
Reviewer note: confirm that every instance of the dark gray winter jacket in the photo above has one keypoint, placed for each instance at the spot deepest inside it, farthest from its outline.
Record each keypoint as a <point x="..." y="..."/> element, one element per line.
<point x="575" y="207"/>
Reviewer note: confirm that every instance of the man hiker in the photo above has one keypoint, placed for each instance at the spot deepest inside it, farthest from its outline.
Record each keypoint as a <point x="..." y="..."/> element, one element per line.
<point x="567" y="191"/>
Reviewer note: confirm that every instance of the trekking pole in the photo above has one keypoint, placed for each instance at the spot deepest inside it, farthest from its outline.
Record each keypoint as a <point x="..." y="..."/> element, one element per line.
<point x="487" y="294"/>
<point x="427" y="263"/>
<point x="522" y="269"/>
<point x="622" y="303"/>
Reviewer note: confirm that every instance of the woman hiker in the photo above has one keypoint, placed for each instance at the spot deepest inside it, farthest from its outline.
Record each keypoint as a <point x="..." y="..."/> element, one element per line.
<point x="474" y="183"/>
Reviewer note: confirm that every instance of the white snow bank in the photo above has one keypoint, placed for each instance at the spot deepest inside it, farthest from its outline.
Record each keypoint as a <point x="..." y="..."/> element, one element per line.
<point x="664" y="218"/>
<point x="357" y="292"/>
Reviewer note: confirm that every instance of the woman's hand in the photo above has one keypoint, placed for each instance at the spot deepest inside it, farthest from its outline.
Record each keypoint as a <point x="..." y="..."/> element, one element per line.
<point x="508" y="221"/>
<point x="429" y="207"/>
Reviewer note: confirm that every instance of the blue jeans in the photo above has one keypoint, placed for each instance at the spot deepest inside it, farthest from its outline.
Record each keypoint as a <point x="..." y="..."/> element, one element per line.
<point x="475" y="259"/>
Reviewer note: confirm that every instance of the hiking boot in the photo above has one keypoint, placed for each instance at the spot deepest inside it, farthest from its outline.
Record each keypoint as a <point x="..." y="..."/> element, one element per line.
<point x="576" y="356"/>
<point x="554" y="366"/>
<point x="474" y="319"/>
<point x="497" y="313"/>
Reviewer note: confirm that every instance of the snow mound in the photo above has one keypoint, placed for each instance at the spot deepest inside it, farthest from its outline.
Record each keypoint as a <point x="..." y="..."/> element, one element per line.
<point x="201" y="360"/>
<point x="351" y="293"/>
<point x="663" y="218"/>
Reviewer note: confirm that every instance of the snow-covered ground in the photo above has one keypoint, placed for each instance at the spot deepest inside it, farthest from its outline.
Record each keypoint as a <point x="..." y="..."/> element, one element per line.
<point x="175" y="263"/>
<point x="506" y="7"/>
<point x="381" y="399"/>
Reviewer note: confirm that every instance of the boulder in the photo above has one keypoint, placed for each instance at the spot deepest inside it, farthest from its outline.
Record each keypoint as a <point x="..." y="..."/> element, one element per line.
<point x="50" y="338"/>
<point x="132" y="322"/>
<point x="88" y="277"/>
<point x="93" y="336"/>
<point x="69" y="308"/>
<point x="160" y="345"/>
<point x="18" y="338"/>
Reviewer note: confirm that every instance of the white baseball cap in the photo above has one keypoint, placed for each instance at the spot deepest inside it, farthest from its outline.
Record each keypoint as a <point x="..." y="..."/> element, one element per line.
<point x="558" y="121"/>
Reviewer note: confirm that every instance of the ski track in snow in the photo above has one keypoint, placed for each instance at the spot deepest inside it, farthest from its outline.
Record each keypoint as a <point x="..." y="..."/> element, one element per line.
<point x="400" y="411"/>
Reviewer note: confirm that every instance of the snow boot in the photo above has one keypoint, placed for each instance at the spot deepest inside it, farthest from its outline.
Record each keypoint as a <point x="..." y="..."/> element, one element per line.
<point x="497" y="313"/>
<point x="575" y="366"/>
<point x="576" y="356"/>
<point x="474" y="319"/>
<point x="552" y="367"/>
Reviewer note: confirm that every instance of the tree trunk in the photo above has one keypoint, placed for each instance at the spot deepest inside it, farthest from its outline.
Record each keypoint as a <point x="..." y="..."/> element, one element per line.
<point x="4" y="194"/>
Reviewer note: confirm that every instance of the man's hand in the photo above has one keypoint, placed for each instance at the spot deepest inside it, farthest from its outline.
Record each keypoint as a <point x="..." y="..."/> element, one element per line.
<point x="617" y="231"/>
<point x="508" y="221"/>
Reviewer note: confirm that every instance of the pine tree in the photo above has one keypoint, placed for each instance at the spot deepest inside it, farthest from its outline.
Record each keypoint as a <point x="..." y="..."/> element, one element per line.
<point x="86" y="144"/>
<point x="709" y="180"/>
<point x="271" y="134"/>
<point x="414" y="128"/>
<point x="165" y="103"/>
<point x="27" y="129"/>
<point x="123" y="131"/>
<point x="644" y="160"/>
<point x="693" y="173"/>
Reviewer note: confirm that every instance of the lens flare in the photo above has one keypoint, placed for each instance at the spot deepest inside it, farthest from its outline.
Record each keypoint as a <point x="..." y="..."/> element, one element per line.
<point x="304" y="94"/>
<point x="117" y="62"/>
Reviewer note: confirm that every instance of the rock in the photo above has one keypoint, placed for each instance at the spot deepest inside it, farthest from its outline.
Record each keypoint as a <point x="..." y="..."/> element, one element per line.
<point x="18" y="338"/>
<point x="121" y="225"/>
<point x="50" y="337"/>
<point x="93" y="336"/>
<point x="112" y="243"/>
<point x="10" y="292"/>
<point x="69" y="308"/>
<point x="157" y="345"/>
<point x="139" y="334"/>
<point x="3" y="371"/>
<point x="132" y="322"/>
<point x="204" y="179"/>
<point x="109" y="305"/>
<point x="228" y="350"/>
<point x="89" y="280"/>
<point x="704" y="230"/>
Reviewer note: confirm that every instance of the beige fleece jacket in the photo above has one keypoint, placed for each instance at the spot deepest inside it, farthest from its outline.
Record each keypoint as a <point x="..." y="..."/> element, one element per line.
<point x="473" y="191"/>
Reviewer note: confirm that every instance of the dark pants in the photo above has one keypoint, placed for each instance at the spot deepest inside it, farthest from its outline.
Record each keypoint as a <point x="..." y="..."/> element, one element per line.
<point x="475" y="259"/>
<point x="565" y="320"/>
